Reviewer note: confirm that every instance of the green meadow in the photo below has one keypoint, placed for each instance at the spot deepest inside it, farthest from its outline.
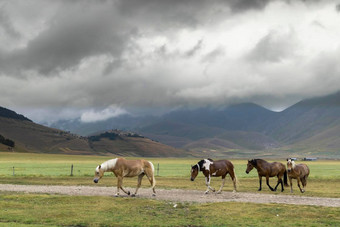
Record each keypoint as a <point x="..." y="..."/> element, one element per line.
<point x="19" y="209"/>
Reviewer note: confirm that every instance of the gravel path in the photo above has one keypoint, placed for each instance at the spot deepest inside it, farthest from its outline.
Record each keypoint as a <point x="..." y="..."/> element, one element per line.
<point x="176" y="195"/>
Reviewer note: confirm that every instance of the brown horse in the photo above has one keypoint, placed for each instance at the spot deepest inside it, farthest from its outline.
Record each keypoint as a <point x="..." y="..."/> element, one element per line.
<point x="212" y="168"/>
<point x="127" y="168"/>
<point x="267" y="170"/>
<point x="299" y="172"/>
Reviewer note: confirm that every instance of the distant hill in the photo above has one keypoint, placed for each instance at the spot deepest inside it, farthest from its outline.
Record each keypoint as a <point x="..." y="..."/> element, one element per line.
<point x="6" y="113"/>
<point x="310" y="127"/>
<point x="31" y="137"/>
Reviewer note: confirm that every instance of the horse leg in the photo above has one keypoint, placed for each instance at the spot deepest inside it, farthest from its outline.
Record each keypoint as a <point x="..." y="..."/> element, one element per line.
<point x="282" y="188"/>
<point x="291" y="184"/>
<point x="120" y="185"/>
<point x="140" y="177"/>
<point x="267" y="181"/>
<point x="220" y="190"/>
<point x="207" y="183"/>
<point x="299" y="181"/>
<point x="151" y="178"/>
<point x="279" y="181"/>
<point x="260" y="181"/>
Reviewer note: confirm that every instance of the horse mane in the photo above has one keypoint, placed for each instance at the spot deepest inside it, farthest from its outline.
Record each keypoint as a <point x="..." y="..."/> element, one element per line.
<point x="109" y="164"/>
<point x="253" y="162"/>
<point x="256" y="160"/>
<point x="200" y="163"/>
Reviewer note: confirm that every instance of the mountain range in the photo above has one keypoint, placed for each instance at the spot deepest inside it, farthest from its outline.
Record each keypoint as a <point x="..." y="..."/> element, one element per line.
<point x="311" y="127"/>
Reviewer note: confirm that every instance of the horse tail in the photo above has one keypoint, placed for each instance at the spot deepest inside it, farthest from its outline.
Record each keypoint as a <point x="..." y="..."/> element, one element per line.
<point x="153" y="175"/>
<point x="235" y="180"/>
<point x="285" y="178"/>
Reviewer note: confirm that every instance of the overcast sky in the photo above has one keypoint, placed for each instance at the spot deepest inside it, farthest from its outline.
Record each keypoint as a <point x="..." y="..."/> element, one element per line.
<point x="97" y="59"/>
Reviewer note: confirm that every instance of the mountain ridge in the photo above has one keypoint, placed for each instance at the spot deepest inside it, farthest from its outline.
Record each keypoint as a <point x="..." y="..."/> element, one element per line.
<point x="309" y="127"/>
<point x="249" y="127"/>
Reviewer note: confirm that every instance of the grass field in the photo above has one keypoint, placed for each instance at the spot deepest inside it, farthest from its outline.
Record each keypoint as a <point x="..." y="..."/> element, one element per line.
<point x="107" y="211"/>
<point x="40" y="210"/>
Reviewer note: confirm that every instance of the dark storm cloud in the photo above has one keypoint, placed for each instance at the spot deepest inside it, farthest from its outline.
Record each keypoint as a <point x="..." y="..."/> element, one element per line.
<point x="176" y="13"/>
<point x="77" y="31"/>
<point x="7" y="26"/>
<point x="242" y="5"/>
<point x="82" y="29"/>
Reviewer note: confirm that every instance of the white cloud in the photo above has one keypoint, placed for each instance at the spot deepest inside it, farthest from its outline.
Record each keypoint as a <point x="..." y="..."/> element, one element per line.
<point x="110" y="112"/>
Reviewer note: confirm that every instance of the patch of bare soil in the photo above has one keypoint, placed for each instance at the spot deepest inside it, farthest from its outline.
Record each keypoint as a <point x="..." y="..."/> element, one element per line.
<point x="176" y="195"/>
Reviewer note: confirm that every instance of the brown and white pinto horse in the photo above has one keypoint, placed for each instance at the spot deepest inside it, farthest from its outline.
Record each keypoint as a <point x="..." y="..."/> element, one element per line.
<point x="299" y="172"/>
<point x="127" y="168"/>
<point x="212" y="168"/>
<point x="267" y="170"/>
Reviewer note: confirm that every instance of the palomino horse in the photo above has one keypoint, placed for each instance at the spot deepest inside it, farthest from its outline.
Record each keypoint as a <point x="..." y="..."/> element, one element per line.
<point x="212" y="168"/>
<point x="267" y="170"/>
<point x="127" y="168"/>
<point x="299" y="172"/>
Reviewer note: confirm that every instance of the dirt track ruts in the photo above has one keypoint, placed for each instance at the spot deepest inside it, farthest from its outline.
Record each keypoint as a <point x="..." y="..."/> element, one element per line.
<point x="176" y="195"/>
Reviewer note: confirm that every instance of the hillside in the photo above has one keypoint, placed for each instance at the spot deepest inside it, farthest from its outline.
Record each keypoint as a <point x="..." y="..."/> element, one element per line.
<point x="31" y="137"/>
<point x="305" y="119"/>
<point x="310" y="127"/>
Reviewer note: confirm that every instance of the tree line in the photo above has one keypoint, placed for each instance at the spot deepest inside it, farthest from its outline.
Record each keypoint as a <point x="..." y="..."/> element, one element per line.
<point x="7" y="142"/>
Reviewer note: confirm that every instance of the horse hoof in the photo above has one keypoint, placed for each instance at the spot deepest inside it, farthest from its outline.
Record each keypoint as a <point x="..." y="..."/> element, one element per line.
<point x="116" y="195"/>
<point x="133" y="195"/>
<point x="302" y="191"/>
<point x="218" y="192"/>
<point x="234" y="191"/>
<point x="206" y="192"/>
<point x="128" y="193"/>
<point x="259" y="189"/>
<point x="154" y="195"/>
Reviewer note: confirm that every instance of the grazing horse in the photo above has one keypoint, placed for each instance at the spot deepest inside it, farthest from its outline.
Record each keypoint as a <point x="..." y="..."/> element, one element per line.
<point x="267" y="170"/>
<point x="212" y="168"/>
<point x="299" y="172"/>
<point x="127" y="168"/>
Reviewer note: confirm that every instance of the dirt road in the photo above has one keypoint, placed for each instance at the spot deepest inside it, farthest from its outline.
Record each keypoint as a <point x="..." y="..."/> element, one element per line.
<point x="176" y="195"/>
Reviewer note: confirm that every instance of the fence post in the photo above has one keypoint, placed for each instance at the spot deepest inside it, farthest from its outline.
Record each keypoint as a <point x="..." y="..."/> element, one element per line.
<point x="13" y="170"/>
<point x="72" y="170"/>
<point x="157" y="169"/>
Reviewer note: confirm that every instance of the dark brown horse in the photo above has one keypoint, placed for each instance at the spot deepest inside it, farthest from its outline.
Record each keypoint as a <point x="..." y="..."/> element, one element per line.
<point x="266" y="169"/>
<point x="299" y="172"/>
<point x="212" y="168"/>
<point x="127" y="168"/>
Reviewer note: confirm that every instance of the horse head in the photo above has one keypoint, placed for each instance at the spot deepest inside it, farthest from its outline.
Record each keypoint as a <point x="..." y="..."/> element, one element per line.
<point x="194" y="171"/>
<point x="290" y="165"/>
<point x="250" y="165"/>
<point x="98" y="174"/>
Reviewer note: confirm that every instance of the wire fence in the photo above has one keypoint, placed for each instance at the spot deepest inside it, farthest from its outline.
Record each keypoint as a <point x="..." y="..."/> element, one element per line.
<point x="80" y="170"/>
